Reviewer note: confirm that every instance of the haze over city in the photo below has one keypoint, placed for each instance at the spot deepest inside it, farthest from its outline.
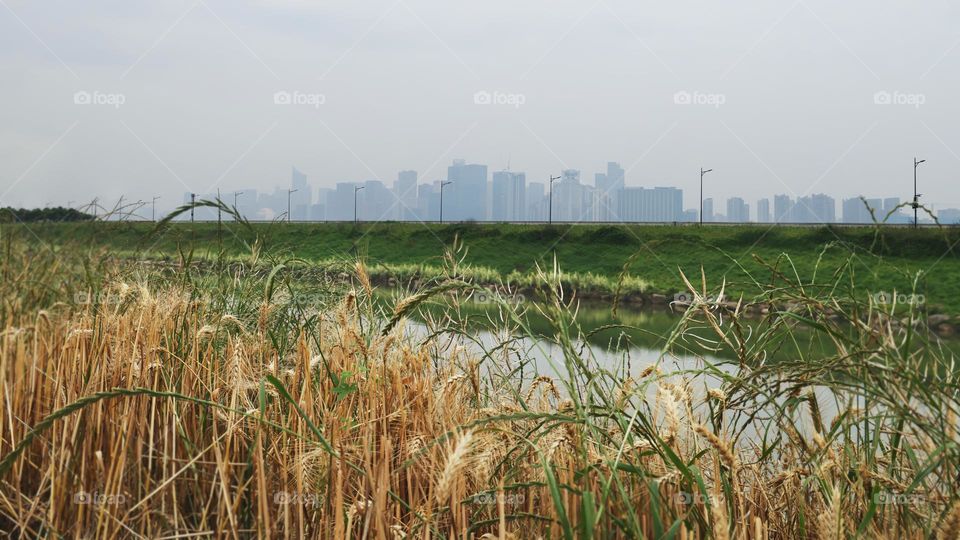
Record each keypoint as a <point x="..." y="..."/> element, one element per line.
<point x="795" y="98"/>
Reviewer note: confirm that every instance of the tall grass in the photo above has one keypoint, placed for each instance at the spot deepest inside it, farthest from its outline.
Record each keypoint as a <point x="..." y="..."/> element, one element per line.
<point x="156" y="401"/>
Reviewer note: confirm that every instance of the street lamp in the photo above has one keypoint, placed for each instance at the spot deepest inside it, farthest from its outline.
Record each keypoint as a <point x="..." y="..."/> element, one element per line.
<point x="153" y="213"/>
<point x="441" y="197"/>
<point x="916" y="196"/>
<point x="289" y="192"/>
<point x="235" y="195"/>
<point x="702" y="172"/>
<point x="550" y="211"/>
<point x="356" y="189"/>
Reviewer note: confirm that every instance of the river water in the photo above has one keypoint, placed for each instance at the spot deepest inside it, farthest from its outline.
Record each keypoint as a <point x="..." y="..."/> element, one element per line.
<point x="624" y="345"/>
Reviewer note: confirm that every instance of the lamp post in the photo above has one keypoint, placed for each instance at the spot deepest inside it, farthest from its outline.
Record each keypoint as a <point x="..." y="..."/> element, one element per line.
<point x="153" y="213"/>
<point x="550" y="210"/>
<point x="235" y="195"/>
<point x="702" y="172"/>
<point x="441" y="197"/>
<point x="916" y="196"/>
<point x="289" y="192"/>
<point x="356" y="189"/>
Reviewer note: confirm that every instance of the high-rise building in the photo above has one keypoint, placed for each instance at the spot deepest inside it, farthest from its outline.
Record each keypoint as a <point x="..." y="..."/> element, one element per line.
<point x="738" y="211"/>
<point x="340" y="202"/>
<point x="858" y="209"/>
<point x="536" y="201"/>
<point x="246" y="203"/>
<point x="763" y="211"/>
<point x="892" y="213"/>
<point x="854" y="211"/>
<point x="466" y="198"/>
<point x="405" y="191"/>
<point x="318" y="211"/>
<point x="508" y="199"/>
<point x="428" y="201"/>
<point x="639" y="204"/>
<point x="782" y="209"/>
<point x="817" y="208"/>
<point x="708" y="210"/>
<point x="375" y="202"/>
<point x="609" y="187"/>
<point x="302" y="199"/>
<point x="572" y="201"/>
<point x="948" y="216"/>
<point x="268" y="205"/>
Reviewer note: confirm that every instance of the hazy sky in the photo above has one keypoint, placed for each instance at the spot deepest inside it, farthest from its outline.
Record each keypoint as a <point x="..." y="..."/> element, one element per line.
<point x="783" y="96"/>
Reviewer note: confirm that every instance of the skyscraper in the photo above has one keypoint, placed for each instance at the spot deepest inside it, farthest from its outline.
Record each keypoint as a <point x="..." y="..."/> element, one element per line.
<point x="428" y="201"/>
<point x="572" y="201"/>
<point x="639" y="204"/>
<point x="892" y="213"/>
<point x="536" y="205"/>
<point x="340" y="202"/>
<point x="949" y="216"/>
<point x="466" y="198"/>
<point x="817" y="208"/>
<point x="609" y="188"/>
<point x="782" y="209"/>
<point x="708" y="210"/>
<point x="405" y="191"/>
<point x="763" y="211"/>
<point x="822" y="207"/>
<point x="855" y="210"/>
<point x="508" y="201"/>
<point x="318" y="211"/>
<point x="737" y="210"/>
<point x="301" y="200"/>
<point x="375" y="202"/>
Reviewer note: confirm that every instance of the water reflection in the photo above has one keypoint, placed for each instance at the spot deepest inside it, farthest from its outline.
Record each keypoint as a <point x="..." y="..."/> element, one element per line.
<point x="624" y="345"/>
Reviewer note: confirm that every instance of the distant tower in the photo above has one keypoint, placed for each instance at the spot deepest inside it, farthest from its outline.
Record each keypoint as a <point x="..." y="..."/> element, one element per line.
<point x="303" y="198"/>
<point x="468" y="192"/>
<point x="405" y="190"/>
<point x="763" y="211"/>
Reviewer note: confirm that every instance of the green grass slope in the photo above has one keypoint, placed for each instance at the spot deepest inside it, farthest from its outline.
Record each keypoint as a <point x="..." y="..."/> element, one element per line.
<point x="883" y="259"/>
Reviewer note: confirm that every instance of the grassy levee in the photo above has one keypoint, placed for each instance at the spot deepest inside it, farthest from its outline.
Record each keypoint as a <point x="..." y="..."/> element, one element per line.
<point x="925" y="261"/>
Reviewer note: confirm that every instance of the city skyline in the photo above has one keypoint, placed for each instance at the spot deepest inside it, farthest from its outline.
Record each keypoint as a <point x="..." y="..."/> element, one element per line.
<point x="508" y="196"/>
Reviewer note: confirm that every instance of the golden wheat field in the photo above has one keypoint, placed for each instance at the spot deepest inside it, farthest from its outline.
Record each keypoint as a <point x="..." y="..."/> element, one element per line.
<point x="224" y="404"/>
